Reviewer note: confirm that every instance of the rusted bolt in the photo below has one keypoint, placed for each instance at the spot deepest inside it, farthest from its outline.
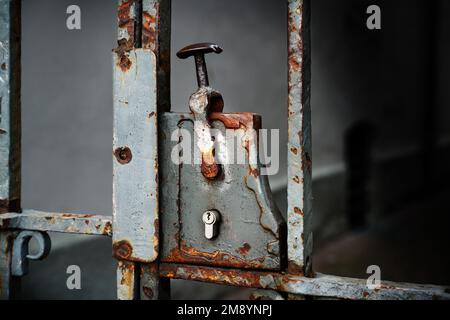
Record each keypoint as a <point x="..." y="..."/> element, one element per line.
<point x="122" y="249"/>
<point x="148" y="292"/>
<point x="123" y="155"/>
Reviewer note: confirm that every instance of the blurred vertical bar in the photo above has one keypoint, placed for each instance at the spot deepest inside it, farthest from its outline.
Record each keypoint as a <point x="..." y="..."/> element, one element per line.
<point x="10" y="31"/>
<point x="430" y="132"/>
<point x="9" y="105"/>
<point x="299" y="139"/>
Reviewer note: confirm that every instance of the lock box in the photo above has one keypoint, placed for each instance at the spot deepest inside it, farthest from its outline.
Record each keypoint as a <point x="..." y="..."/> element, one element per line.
<point x="249" y="229"/>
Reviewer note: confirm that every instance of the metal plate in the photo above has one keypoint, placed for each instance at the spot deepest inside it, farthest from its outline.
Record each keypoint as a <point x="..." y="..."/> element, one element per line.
<point x="251" y="226"/>
<point x="135" y="182"/>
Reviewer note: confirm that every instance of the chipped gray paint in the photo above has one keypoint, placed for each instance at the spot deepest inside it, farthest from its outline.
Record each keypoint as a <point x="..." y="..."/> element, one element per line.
<point x="21" y="254"/>
<point x="9" y="103"/>
<point x="299" y="186"/>
<point x="135" y="184"/>
<point x="87" y="224"/>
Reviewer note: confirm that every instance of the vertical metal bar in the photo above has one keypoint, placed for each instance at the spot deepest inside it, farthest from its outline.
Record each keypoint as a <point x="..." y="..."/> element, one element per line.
<point x="9" y="105"/>
<point x="9" y="132"/>
<point x="141" y="90"/>
<point x="127" y="280"/>
<point x="8" y="283"/>
<point x="152" y="287"/>
<point x="128" y="19"/>
<point x="156" y="32"/>
<point x="299" y="139"/>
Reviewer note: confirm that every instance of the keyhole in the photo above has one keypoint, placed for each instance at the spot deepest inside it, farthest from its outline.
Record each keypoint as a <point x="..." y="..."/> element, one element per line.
<point x="209" y="216"/>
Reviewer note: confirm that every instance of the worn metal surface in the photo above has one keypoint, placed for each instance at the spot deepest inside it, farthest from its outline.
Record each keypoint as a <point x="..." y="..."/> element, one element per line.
<point x="21" y="255"/>
<point x="9" y="105"/>
<point x="202" y="102"/>
<point x="127" y="280"/>
<point x="152" y="287"/>
<point x="135" y="182"/>
<point x="129" y="24"/>
<point x="320" y="286"/>
<point x="6" y="279"/>
<point x="299" y="186"/>
<point x="249" y="234"/>
<point x="58" y="222"/>
<point x="260" y="294"/>
<point x="156" y="20"/>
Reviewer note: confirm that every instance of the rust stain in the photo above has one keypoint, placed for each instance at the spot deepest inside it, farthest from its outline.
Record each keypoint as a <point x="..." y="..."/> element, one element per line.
<point x="156" y="236"/>
<point x="210" y="169"/>
<point x="149" y="32"/>
<point x="293" y="62"/>
<point x="217" y="258"/>
<point x="294" y="150"/>
<point x="240" y="278"/>
<point x="124" y="62"/>
<point x="75" y="215"/>
<point x="3" y="66"/>
<point x="123" y="155"/>
<point x="126" y="21"/>
<point x="234" y="120"/>
<point x="107" y="230"/>
<point x="244" y="250"/>
<point x="254" y="172"/>
<point x="122" y="249"/>
<point x="148" y="292"/>
<point x="294" y="268"/>
<point x="299" y="211"/>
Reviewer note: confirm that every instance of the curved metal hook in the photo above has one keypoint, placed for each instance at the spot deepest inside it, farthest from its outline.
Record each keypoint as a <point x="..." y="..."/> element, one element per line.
<point x="20" y="255"/>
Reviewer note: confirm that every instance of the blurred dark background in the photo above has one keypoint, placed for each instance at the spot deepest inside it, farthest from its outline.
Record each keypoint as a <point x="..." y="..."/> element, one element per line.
<point x="380" y="108"/>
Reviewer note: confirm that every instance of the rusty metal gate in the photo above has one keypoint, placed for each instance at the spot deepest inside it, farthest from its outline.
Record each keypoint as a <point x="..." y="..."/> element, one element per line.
<point x="166" y="216"/>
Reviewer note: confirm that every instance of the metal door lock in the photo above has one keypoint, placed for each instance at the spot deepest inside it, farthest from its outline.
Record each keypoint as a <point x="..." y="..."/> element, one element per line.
<point x="211" y="219"/>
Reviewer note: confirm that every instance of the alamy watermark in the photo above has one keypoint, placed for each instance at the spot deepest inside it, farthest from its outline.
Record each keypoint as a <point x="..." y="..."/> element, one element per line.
<point x="73" y="282"/>
<point x="240" y="147"/>
<point x="73" y="21"/>
<point x="374" y="20"/>
<point x="374" y="280"/>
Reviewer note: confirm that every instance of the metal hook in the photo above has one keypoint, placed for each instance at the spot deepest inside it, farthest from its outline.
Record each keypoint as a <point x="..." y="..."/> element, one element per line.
<point x="20" y="255"/>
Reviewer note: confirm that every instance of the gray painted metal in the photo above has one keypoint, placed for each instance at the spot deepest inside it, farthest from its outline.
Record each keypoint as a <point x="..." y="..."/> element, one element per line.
<point x="135" y="182"/>
<point x="348" y="288"/>
<point x="9" y="133"/>
<point x="9" y="105"/>
<point x="21" y="255"/>
<point x="299" y="186"/>
<point x="57" y="222"/>
<point x="319" y="286"/>
<point x="250" y="228"/>
<point x="127" y="280"/>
